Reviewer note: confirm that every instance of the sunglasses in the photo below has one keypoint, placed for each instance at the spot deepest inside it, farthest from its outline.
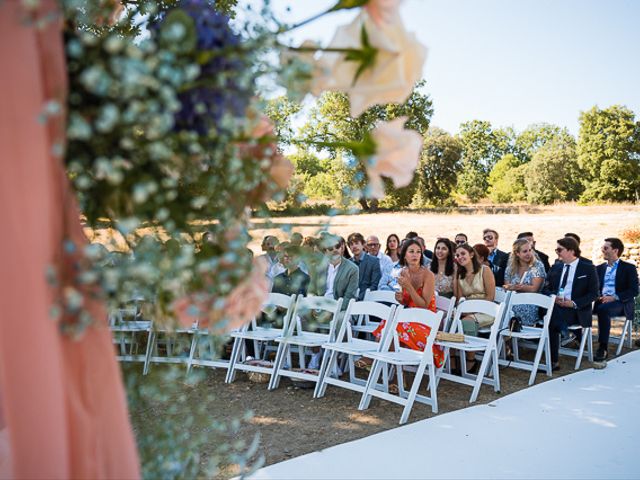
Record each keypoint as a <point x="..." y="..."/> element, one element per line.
<point x="488" y="237"/>
<point x="335" y="247"/>
<point x="460" y="242"/>
<point x="372" y="244"/>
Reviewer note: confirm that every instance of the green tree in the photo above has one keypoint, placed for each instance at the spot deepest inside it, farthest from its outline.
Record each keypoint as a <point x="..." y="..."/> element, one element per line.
<point x="553" y="175"/>
<point x="536" y="136"/>
<point x="306" y="161"/>
<point x="281" y="112"/>
<point x="438" y="169"/>
<point x="482" y="147"/>
<point x="609" y="154"/>
<point x="506" y="180"/>
<point x="330" y="121"/>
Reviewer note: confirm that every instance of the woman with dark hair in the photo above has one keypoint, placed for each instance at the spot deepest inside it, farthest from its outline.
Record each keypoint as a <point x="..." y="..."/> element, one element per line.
<point x="393" y="247"/>
<point x="483" y="254"/>
<point x="442" y="267"/>
<point x="473" y="281"/>
<point x="417" y="283"/>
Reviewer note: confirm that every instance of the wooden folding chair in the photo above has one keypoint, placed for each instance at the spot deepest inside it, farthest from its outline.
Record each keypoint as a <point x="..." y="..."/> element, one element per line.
<point x="401" y="357"/>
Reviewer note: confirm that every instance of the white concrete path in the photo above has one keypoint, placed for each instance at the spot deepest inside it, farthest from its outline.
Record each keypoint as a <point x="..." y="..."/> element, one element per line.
<point x="585" y="425"/>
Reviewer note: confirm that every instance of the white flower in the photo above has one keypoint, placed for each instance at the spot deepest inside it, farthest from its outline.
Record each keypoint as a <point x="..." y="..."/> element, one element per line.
<point x="397" y="154"/>
<point x="397" y="68"/>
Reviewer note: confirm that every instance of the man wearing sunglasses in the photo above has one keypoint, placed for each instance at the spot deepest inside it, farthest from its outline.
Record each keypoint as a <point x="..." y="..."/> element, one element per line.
<point x="497" y="258"/>
<point x="575" y="284"/>
<point x="337" y="277"/>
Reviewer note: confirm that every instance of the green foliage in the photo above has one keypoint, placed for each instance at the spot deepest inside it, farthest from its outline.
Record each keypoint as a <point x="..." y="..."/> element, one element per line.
<point x="553" y="175"/>
<point x="309" y="163"/>
<point x="609" y="154"/>
<point x="438" y="169"/>
<point x="536" y="136"/>
<point x="280" y="111"/>
<point x="396" y="198"/>
<point x="506" y="180"/>
<point x="482" y="147"/>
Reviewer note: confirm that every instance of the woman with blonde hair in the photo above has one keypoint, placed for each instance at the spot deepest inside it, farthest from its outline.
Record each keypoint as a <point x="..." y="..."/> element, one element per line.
<point x="524" y="273"/>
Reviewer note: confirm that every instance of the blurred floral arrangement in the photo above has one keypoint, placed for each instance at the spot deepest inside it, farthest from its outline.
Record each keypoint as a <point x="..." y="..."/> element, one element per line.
<point x="166" y="139"/>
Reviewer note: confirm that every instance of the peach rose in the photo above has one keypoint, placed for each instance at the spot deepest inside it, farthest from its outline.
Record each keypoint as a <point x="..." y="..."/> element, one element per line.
<point x="397" y="155"/>
<point x="397" y="68"/>
<point x="383" y="11"/>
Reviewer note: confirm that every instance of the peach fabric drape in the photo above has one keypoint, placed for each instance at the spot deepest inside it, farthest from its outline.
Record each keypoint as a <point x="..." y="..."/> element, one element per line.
<point x="64" y="412"/>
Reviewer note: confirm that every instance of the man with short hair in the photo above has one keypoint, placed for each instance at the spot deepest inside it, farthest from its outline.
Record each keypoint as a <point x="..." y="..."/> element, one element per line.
<point x="336" y="277"/>
<point x="497" y="258"/>
<point x="293" y="281"/>
<point x="461" y="238"/>
<point x="575" y="284"/>
<point x="618" y="282"/>
<point x="373" y="248"/>
<point x="543" y="257"/>
<point x="369" y="266"/>
<point x="269" y="244"/>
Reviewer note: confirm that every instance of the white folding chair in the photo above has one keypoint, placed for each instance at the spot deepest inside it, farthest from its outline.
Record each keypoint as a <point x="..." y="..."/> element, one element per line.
<point x="364" y="323"/>
<point x="127" y="326"/>
<point x="259" y="335"/>
<point x="297" y="333"/>
<point x="485" y="346"/>
<point x="501" y="295"/>
<point x="531" y="334"/>
<point x="345" y="343"/>
<point x="401" y="357"/>
<point x="586" y="345"/>
<point x="177" y="345"/>
<point x="447" y="307"/>
<point x="626" y="334"/>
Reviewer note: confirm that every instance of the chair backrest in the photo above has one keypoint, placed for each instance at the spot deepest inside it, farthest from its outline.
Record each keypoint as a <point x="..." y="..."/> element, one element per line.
<point x="355" y="310"/>
<point x="501" y="295"/>
<point x="537" y="299"/>
<point x="447" y="306"/>
<point x="387" y="296"/>
<point x="274" y="301"/>
<point x="473" y="306"/>
<point x="307" y="305"/>
<point x="413" y="315"/>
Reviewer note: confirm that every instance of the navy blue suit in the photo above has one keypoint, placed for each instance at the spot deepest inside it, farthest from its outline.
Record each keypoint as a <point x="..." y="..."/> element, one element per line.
<point x="499" y="265"/>
<point x="626" y="282"/>
<point x="583" y="293"/>
<point x="370" y="273"/>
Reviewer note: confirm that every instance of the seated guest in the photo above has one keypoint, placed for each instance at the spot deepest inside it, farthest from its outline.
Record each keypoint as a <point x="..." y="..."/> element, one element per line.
<point x="618" y="281"/>
<point x="270" y="255"/>
<point x="368" y="266"/>
<point x="575" y="282"/>
<point x="296" y="239"/>
<point x="336" y="277"/>
<point x="393" y="247"/>
<point x="417" y="283"/>
<point x="427" y="254"/>
<point x="473" y="280"/>
<point x="442" y="267"/>
<point x="543" y="257"/>
<point x="293" y="281"/>
<point x="483" y="254"/>
<point x="461" y="238"/>
<point x="524" y="273"/>
<point x="372" y="247"/>
<point x="577" y="239"/>
<point x="497" y="258"/>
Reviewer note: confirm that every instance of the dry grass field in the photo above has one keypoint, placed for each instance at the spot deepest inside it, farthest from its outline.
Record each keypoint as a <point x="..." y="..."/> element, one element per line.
<point x="591" y="223"/>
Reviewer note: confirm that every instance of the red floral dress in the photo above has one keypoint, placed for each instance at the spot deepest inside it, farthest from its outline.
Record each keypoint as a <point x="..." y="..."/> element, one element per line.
<point x="414" y="335"/>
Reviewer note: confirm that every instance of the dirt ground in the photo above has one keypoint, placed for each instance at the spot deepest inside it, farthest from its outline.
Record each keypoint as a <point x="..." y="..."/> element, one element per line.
<point x="291" y="423"/>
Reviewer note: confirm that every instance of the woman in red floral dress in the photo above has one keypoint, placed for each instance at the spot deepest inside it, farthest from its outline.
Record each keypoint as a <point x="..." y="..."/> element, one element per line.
<point x="418" y="291"/>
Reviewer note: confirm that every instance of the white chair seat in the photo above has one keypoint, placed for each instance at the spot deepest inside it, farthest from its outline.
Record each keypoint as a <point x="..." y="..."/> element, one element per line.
<point x="261" y="334"/>
<point x="471" y="344"/>
<point x="354" y="347"/>
<point x="134" y="326"/>
<point x="527" y="333"/>
<point x="401" y="357"/>
<point x="308" y="339"/>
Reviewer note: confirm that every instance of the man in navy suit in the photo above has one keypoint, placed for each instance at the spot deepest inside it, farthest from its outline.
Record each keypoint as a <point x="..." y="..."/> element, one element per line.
<point x="497" y="258"/>
<point x="575" y="284"/>
<point x="618" y="289"/>
<point x="369" y="267"/>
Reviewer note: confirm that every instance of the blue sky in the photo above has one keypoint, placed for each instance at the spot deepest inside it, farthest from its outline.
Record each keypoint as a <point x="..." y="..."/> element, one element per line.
<point x="512" y="62"/>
